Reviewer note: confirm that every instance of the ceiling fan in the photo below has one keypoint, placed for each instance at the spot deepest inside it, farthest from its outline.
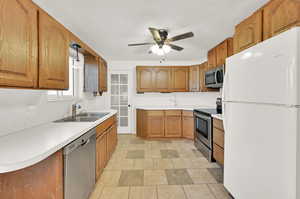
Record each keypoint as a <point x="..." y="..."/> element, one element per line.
<point x="162" y="44"/>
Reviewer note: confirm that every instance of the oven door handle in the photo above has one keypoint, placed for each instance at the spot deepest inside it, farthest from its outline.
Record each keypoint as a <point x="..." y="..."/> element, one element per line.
<point x="202" y="116"/>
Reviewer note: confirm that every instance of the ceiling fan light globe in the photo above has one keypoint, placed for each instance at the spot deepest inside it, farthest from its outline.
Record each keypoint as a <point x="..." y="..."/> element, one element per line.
<point x="154" y="48"/>
<point x="166" y="49"/>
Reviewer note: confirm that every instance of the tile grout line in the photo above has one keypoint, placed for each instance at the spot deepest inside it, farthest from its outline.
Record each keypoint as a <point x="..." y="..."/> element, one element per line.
<point x="211" y="191"/>
<point x="186" y="196"/>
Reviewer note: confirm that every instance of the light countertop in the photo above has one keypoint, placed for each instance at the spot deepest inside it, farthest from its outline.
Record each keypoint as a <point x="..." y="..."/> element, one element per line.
<point x="169" y="107"/>
<point x="218" y="116"/>
<point x="29" y="146"/>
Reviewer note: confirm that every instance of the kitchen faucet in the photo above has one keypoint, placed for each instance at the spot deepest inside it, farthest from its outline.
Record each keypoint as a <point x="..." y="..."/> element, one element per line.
<point x="174" y="100"/>
<point x="74" y="109"/>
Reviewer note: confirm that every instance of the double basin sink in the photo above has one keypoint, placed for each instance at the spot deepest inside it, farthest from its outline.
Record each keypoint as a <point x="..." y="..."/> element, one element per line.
<point x="84" y="117"/>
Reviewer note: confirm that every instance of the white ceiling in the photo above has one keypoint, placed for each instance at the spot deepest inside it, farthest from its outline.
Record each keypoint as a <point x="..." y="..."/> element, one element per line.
<point x="109" y="25"/>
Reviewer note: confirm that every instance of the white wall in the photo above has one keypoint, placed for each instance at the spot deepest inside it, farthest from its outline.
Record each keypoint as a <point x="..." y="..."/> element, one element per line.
<point x="161" y="99"/>
<point x="20" y="109"/>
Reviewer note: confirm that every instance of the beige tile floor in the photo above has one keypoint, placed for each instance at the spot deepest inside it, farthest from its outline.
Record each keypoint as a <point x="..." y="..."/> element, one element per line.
<point x="158" y="169"/>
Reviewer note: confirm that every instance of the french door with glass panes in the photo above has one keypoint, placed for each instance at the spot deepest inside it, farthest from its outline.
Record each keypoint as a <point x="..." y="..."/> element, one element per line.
<point x="120" y="99"/>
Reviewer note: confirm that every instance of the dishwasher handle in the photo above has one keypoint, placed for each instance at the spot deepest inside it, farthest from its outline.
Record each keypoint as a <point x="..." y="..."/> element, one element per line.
<point x="79" y="142"/>
<point x="85" y="142"/>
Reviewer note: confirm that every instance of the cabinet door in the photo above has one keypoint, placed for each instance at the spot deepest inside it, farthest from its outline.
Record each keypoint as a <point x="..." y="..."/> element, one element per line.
<point x="188" y="124"/>
<point x="42" y="180"/>
<point x="173" y="124"/>
<point x="280" y="15"/>
<point x="144" y="79"/>
<point x="156" y="125"/>
<point x="180" y="79"/>
<point x="221" y="53"/>
<point x="18" y="44"/>
<point x="194" y="78"/>
<point x="115" y="136"/>
<point x="53" y="54"/>
<point x="102" y="75"/>
<point x="110" y="142"/>
<point x="162" y="77"/>
<point x="101" y="154"/>
<point x="248" y="33"/>
<point x="212" y="58"/>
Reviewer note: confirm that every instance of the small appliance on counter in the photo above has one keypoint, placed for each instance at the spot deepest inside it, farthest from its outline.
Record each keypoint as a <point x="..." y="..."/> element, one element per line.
<point x="203" y="131"/>
<point x="214" y="78"/>
<point x="219" y="105"/>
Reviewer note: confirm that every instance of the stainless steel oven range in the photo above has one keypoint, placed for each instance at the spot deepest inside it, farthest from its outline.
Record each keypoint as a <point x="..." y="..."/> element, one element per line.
<point x="203" y="131"/>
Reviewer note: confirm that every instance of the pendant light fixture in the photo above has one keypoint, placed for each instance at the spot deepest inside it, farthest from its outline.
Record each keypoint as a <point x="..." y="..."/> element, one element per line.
<point x="76" y="47"/>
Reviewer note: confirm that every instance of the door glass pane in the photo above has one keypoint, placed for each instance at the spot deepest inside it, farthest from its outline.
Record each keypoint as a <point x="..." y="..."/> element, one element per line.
<point x="114" y="100"/>
<point x="115" y="90"/>
<point x="123" y="122"/>
<point x="123" y="90"/>
<point x="123" y="79"/>
<point x="123" y="100"/>
<point x="124" y="111"/>
<point x="114" y="79"/>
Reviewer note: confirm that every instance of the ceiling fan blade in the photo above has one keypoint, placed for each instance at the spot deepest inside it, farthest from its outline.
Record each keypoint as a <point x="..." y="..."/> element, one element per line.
<point x="155" y="34"/>
<point x="182" y="36"/>
<point x="141" y="44"/>
<point x="174" y="47"/>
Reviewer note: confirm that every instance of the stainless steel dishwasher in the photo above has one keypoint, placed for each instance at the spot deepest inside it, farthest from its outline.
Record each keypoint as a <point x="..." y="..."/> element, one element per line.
<point x="79" y="166"/>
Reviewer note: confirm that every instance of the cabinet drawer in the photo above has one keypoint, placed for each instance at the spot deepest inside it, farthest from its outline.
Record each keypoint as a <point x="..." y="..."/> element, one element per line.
<point x="218" y="137"/>
<point x="101" y="128"/>
<point x="218" y="154"/>
<point x="155" y="113"/>
<point x="173" y="113"/>
<point x="188" y="113"/>
<point x="218" y="124"/>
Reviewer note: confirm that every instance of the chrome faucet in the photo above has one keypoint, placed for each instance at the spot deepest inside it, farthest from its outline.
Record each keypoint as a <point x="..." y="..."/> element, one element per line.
<point x="74" y="109"/>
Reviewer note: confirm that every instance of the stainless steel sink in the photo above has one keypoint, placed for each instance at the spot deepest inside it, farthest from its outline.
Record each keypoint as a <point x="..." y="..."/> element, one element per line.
<point x="83" y="117"/>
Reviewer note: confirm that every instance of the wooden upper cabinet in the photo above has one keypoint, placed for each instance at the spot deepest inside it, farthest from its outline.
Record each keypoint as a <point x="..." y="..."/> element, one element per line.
<point x="280" y="15"/>
<point x="194" y="78"/>
<point x="180" y="79"/>
<point x="53" y="54"/>
<point x="102" y="75"/>
<point x="212" y="58"/>
<point x="248" y="33"/>
<point x="162" y="79"/>
<point x="224" y="50"/>
<point x="18" y="44"/>
<point x="144" y="77"/>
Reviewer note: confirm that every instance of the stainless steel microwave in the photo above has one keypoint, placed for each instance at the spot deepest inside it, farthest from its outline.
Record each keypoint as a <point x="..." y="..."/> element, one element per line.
<point x="214" y="78"/>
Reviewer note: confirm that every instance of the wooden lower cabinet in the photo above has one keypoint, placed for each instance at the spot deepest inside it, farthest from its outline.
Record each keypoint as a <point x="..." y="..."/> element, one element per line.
<point x="165" y="124"/>
<point x="155" y="124"/>
<point x="218" y="141"/>
<point x="173" y="124"/>
<point x="42" y="180"/>
<point x="101" y="154"/>
<point x="106" y="143"/>
<point x="188" y="124"/>
<point x="218" y="153"/>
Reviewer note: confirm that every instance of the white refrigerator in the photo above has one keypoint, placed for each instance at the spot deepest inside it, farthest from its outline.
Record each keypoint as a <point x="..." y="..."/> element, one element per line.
<point x="261" y="104"/>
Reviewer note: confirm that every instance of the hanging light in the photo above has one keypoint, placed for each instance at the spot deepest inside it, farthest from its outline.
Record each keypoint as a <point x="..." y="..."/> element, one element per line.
<point x="76" y="47"/>
<point x="156" y="49"/>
